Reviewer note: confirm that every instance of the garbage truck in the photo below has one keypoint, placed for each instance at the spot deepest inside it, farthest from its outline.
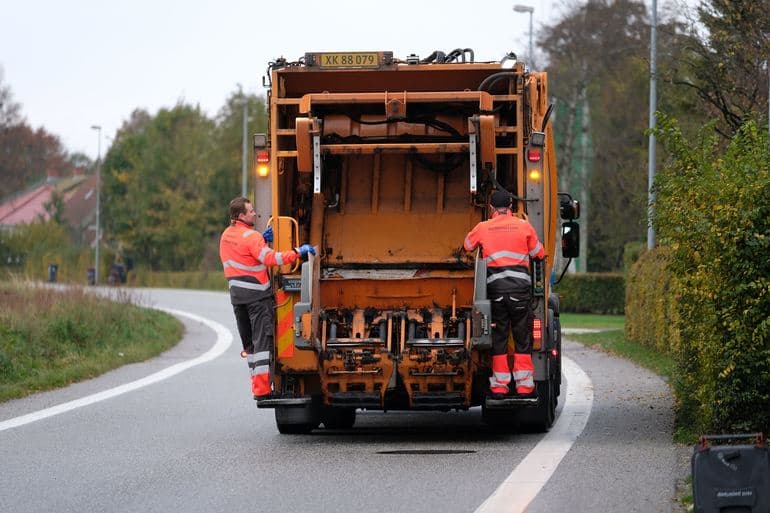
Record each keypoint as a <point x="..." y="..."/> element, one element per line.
<point x="384" y="165"/>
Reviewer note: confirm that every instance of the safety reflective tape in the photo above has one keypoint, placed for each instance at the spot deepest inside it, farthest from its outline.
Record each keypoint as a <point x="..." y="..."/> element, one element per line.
<point x="262" y="369"/>
<point x="467" y="244"/>
<point x="285" y="324"/>
<point x="247" y="233"/>
<point x="263" y="253"/>
<point x="249" y="285"/>
<point x="536" y="249"/>
<point x="278" y="258"/>
<point x="507" y="254"/>
<point x="243" y="267"/>
<point x="508" y="274"/>
<point x="517" y="375"/>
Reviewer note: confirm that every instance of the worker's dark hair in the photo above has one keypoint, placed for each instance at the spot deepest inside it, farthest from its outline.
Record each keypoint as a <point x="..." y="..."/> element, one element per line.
<point x="238" y="207"/>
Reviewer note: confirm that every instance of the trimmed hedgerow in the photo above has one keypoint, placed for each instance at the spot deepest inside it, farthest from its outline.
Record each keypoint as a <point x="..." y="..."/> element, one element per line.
<point x="651" y="301"/>
<point x="600" y="293"/>
<point x="713" y="213"/>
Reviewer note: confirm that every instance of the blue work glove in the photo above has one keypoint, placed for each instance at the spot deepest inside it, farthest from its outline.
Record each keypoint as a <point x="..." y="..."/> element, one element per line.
<point x="268" y="234"/>
<point x="304" y="249"/>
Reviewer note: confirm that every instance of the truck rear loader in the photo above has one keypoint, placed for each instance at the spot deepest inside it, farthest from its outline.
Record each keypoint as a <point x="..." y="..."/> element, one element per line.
<point x="384" y="165"/>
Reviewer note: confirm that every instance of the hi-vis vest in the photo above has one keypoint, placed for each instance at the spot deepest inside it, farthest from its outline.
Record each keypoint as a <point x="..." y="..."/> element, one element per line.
<point x="507" y="243"/>
<point x="245" y="257"/>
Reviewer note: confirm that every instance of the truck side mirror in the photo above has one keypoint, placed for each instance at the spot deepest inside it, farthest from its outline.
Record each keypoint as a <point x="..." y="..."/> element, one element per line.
<point x="569" y="208"/>
<point x="570" y="239"/>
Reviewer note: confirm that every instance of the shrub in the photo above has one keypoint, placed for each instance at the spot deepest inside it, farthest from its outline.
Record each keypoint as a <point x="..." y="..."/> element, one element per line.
<point x="651" y="300"/>
<point x="601" y="293"/>
<point x="713" y="211"/>
<point x="202" y="280"/>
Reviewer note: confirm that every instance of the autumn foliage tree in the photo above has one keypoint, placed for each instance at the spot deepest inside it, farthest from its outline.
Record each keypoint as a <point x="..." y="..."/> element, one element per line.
<point x="27" y="155"/>
<point x="168" y="179"/>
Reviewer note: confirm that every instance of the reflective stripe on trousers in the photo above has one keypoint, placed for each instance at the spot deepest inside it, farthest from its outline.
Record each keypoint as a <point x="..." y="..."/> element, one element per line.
<point x="501" y="375"/>
<point x="259" y="365"/>
<point x="523" y="373"/>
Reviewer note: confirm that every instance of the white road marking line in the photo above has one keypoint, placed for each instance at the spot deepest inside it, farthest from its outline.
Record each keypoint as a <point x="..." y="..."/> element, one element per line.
<point x="529" y="477"/>
<point x="224" y="339"/>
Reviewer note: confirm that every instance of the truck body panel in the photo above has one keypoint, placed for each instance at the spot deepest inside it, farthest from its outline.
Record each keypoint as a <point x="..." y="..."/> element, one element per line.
<point x="385" y="167"/>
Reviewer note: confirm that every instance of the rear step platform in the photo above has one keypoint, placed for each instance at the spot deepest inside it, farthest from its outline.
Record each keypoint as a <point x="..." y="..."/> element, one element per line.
<point x="284" y="402"/>
<point x="438" y="400"/>
<point x="356" y="399"/>
<point x="512" y="401"/>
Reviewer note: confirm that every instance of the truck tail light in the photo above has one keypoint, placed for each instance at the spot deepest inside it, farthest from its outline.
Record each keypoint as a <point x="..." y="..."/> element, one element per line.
<point x="537" y="333"/>
<point x="533" y="154"/>
<point x="263" y="163"/>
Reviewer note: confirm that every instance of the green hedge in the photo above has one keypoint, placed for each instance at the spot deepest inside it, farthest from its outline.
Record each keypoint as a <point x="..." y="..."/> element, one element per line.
<point x="651" y="302"/>
<point x="203" y="280"/>
<point x="40" y="244"/>
<point x="713" y="212"/>
<point x="600" y="293"/>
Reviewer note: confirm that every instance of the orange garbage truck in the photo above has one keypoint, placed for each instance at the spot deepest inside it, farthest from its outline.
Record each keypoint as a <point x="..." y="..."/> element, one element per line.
<point x="385" y="165"/>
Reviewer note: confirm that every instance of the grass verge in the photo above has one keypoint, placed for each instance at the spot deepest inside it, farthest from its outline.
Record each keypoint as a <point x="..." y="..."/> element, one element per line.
<point x="614" y="341"/>
<point x="50" y="338"/>
<point x="592" y="321"/>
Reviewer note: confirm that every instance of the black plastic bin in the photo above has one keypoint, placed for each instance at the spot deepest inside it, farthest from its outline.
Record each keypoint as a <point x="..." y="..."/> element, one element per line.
<point x="53" y="269"/>
<point x="731" y="478"/>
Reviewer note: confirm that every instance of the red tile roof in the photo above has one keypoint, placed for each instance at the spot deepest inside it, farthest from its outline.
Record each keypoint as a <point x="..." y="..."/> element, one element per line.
<point x="26" y="207"/>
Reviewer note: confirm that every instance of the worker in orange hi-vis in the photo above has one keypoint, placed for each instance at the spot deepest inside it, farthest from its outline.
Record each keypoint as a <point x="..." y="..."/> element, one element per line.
<point x="246" y="256"/>
<point x="507" y="244"/>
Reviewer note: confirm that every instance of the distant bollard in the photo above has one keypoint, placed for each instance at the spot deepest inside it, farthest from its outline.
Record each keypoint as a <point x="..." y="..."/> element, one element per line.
<point x="91" y="276"/>
<point x="52" y="270"/>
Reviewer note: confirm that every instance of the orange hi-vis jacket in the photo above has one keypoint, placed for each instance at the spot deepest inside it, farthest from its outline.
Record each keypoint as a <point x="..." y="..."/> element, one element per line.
<point x="507" y="243"/>
<point x="245" y="257"/>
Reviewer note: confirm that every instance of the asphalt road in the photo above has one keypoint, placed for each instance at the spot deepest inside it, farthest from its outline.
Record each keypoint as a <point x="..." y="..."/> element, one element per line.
<point x="195" y="442"/>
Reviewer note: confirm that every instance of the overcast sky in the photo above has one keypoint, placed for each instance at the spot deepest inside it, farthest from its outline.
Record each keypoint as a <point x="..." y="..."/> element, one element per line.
<point x="77" y="63"/>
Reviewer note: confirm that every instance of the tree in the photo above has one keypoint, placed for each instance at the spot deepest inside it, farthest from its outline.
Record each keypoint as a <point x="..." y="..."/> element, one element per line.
<point x="725" y="61"/>
<point x="26" y="155"/>
<point x="9" y="110"/>
<point x="156" y="177"/>
<point x="599" y="73"/>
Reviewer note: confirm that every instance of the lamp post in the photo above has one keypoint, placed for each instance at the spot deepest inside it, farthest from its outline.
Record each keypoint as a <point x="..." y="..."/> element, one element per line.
<point x="530" y="10"/>
<point x="98" y="128"/>
<point x="651" y="149"/>
<point x="245" y="154"/>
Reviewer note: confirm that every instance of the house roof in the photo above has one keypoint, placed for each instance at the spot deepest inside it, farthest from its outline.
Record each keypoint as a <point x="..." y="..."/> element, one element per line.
<point x="29" y="205"/>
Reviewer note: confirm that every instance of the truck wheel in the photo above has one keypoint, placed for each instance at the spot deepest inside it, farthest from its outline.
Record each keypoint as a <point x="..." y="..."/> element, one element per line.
<point x="555" y="333"/>
<point x="296" y="421"/>
<point x="502" y="421"/>
<point x="541" y="417"/>
<point x="338" y="418"/>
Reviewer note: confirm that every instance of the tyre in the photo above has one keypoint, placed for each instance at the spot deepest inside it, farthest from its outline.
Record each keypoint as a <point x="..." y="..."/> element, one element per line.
<point x="502" y="421"/>
<point x="296" y="421"/>
<point x="338" y="418"/>
<point x="540" y="418"/>
<point x="555" y="333"/>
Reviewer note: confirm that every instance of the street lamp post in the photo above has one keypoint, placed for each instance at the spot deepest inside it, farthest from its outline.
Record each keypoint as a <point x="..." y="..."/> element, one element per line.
<point x="530" y="10"/>
<point x="98" y="128"/>
<point x="245" y="153"/>
<point x="651" y="149"/>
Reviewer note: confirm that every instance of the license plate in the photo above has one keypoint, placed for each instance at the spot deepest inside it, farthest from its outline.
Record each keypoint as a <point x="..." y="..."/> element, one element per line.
<point x="349" y="60"/>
